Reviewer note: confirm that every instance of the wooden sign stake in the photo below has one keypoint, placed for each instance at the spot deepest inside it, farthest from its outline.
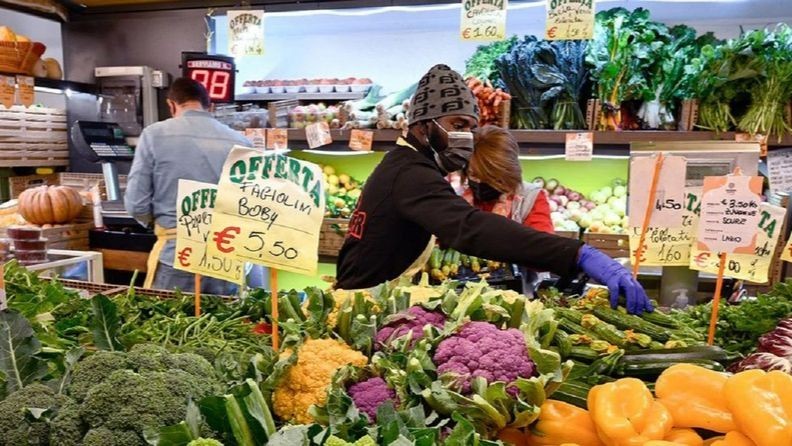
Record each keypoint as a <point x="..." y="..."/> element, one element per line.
<point x="716" y="300"/>
<point x="274" y="300"/>
<point x="197" y="295"/>
<point x="648" y="214"/>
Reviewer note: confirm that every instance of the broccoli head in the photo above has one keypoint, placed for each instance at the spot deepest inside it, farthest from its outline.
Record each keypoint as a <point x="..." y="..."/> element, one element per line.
<point x="482" y="349"/>
<point x="411" y="321"/>
<point x="128" y="393"/>
<point x="18" y="424"/>
<point x="370" y="394"/>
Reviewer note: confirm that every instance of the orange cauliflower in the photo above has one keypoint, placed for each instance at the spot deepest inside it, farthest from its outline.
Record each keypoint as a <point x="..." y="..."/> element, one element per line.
<point x="307" y="381"/>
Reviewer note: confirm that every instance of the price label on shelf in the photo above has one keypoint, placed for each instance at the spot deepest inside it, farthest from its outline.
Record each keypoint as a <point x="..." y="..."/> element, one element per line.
<point x="269" y="211"/>
<point x="786" y="254"/>
<point x="668" y="205"/>
<point x="361" y="140"/>
<point x="7" y="90"/>
<point x="318" y="135"/>
<point x="669" y="246"/>
<point x="751" y="266"/>
<point x="26" y="85"/>
<point x="579" y="146"/>
<point x="569" y="20"/>
<point x="3" y="300"/>
<point x="779" y="169"/>
<point x="277" y="139"/>
<point x="761" y="139"/>
<point x="257" y="137"/>
<point x="483" y="21"/>
<point x="194" y="210"/>
<point x="729" y="214"/>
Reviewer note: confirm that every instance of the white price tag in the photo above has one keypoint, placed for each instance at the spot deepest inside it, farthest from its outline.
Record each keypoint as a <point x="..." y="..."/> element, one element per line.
<point x="579" y="146"/>
<point x="779" y="169"/>
<point x="729" y="214"/>
<point x="668" y="206"/>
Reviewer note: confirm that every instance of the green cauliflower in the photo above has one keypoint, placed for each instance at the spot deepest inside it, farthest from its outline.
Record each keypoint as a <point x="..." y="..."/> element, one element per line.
<point x="204" y="442"/>
<point x="18" y="425"/>
<point x="363" y="441"/>
<point x="121" y="395"/>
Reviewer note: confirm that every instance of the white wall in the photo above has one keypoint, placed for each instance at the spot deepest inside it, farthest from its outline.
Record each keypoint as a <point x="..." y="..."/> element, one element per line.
<point x="395" y="47"/>
<point x="41" y="30"/>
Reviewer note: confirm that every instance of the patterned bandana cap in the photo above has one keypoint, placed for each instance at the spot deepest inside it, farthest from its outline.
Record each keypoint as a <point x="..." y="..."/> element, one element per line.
<point x="442" y="92"/>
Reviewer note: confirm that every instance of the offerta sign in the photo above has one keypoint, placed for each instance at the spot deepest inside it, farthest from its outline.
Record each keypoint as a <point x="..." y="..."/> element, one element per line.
<point x="570" y="20"/>
<point x="483" y="20"/>
<point x="269" y="210"/>
<point x="194" y="211"/>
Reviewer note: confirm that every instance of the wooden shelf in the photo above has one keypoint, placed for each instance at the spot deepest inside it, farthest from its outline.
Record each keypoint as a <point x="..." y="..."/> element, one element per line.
<point x="300" y="97"/>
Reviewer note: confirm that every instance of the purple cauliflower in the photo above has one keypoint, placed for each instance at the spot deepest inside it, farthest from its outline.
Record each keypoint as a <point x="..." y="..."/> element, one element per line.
<point x="482" y="349"/>
<point x="370" y="394"/>
<point x="413" y="320"/>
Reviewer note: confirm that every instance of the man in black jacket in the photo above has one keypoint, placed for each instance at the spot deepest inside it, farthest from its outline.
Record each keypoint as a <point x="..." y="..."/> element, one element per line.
<point x="406" y="200"/>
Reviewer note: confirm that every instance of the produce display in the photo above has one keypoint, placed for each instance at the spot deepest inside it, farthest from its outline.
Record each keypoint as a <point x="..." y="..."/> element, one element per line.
<point x="400" y="364"/>
<point x="325" y="85"/>
<point x="446" y="264"/>
<point x="342" y="193"/>
<point x="377" y="111"/>
<point x="47" y="67"/>
<point x="604" y="211"/>
<point x="303" y="115"/>
<point x="489" y="100"/>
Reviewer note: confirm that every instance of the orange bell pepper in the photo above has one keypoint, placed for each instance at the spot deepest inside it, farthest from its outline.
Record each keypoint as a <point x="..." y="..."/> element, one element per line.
<point x="513" y="436"/>
<point x="687" y="437"/>
<point x="695" y="397"/>
<point x="662" y="443"/>
<point x="761" y="404"/>
<point x="626" y="414"/>
<point x="562" y="423"/>
<point x="734" y="439"/>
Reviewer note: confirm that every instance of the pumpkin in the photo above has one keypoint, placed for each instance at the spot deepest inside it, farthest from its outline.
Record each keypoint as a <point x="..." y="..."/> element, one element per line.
<point x="50" y="204"/>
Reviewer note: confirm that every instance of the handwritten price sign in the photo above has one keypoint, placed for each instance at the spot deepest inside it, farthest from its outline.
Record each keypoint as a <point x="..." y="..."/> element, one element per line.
<point x="786" y="254"/>
<point x="729" y="214"/>
<point x="670" y="246"/>
<point x="269" y="210"/>
<point x="195" y="209"/>
<point x="669" y="198"/>
<point x="569" y="20"/>
<point x="754" y="266"/>
<point x="7" y="90"/>
<point x="483" y="21"/>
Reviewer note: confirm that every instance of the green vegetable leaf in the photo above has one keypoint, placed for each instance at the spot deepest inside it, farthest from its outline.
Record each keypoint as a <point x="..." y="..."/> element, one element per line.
<point x="18" y="350"/>
<point x="105" y="323"/>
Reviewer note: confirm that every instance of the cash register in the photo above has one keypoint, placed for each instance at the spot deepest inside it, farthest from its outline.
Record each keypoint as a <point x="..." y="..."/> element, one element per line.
<point x="123" y="241"/>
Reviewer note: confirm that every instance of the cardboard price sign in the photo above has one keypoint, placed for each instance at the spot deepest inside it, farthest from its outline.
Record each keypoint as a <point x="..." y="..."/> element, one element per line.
<point x="318" y="135"/>
<point x="7" y="90"/>
<point x="361" y="140"/>
<point x="670" y="246"/>
<point x="26" y="85"/>
<point x="257" y="137"/>
<point x="786" y="254"/>
<point x="579" y="146"/>
<point x="277" y="139"/>
<point x="729" y="214"/>
<point x="194" y="211"/>
<point x="483" y="21"/>
<point x="754" y="266"/>
<point x="668" y="206"/>
<point x="779" y="169"/>
<point x="246" y="33"/>
<point x="569" y="20"/>
<point x="269" y="210"/>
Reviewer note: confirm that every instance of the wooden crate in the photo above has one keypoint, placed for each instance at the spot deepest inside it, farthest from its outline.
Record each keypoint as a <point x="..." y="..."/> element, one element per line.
<point x="279" y="112"/>
<point x="593" y="111"/>
<point x="33" y="137"/>
<point x="688" y="115"/>
<point x="21" y="183"/>
<point x="568" y="234"/>
<point x="614" y="245"/>
<point x="331" y="236"/>
<point x="73" y="236"/>
<point x="504" y="114"/>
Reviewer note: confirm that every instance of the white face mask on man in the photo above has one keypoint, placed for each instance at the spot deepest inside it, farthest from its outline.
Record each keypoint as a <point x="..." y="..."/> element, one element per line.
<point x="457" y="155"/>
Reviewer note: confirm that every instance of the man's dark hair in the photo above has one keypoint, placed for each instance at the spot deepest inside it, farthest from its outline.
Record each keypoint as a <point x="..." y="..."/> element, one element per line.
<point x="185" y="90"/>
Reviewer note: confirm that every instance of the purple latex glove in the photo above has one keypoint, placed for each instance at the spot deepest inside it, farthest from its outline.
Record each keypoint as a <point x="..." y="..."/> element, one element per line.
<point x="619" y="281"/>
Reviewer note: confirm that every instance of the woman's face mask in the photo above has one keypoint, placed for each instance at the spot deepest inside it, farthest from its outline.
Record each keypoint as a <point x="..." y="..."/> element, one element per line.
<point x="483" y="192"/>
<point x="457" y="153"/>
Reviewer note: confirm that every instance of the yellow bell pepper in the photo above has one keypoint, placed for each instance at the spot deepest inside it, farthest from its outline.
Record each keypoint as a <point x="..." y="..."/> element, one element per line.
<point x="695" y="397"/>
<point x="734" y="439"/>
<point x="761" y="403"/>
<point x="561" y="423"/>
<point x="687" y="437"/>
<point x="626" y="414"/>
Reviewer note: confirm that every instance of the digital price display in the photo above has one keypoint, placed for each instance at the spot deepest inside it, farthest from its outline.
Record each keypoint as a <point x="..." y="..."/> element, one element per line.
<point x="215" y="73"/>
